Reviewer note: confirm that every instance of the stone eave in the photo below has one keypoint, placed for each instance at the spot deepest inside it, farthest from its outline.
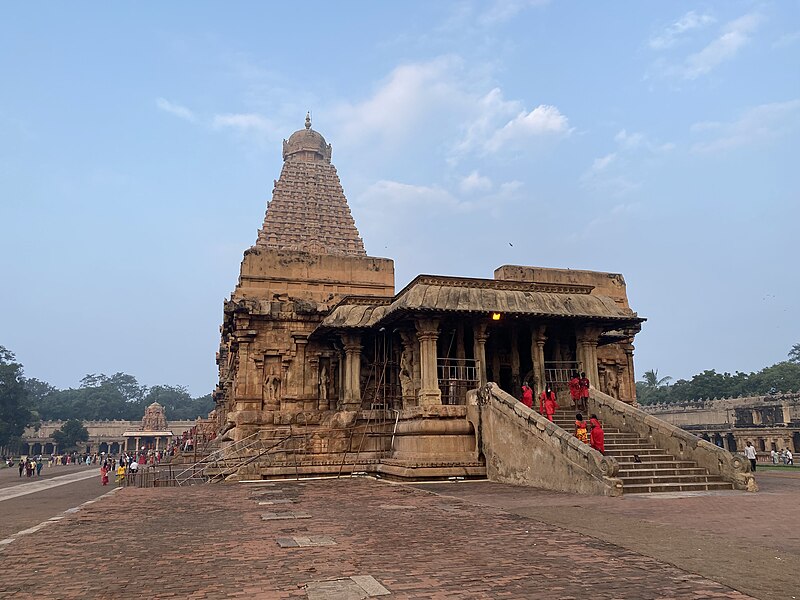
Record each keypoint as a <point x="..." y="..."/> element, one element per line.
<point x="433" y="294"/>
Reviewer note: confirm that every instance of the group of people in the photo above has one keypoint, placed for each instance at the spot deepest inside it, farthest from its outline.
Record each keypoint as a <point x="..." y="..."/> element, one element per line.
<point x="579" y="392"/>
<point x="31" y="465"/>
<point x="785" y="457"/>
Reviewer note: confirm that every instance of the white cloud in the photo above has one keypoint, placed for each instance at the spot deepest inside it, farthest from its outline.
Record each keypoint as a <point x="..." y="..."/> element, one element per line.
<point x="542" y="120"/>
<point x="629" y="140"/>
<point x="475" y="182"/>
<point x="410" y="94"/>
<point x="175" y="109"/>
<point x="244" y="122"/>
<point x="758" y="124"/>
<point x="391" y="195"/>
<point x="672" y="34"/>
<point x="735" y="35"/>
<point x="501" y="11"/>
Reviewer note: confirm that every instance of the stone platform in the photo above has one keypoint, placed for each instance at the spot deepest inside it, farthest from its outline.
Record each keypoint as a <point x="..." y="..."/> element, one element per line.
<point x="464" y="540"/>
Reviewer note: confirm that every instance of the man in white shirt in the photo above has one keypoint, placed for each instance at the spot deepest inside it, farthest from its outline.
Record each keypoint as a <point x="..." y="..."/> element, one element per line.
<point x="774" y="456"/>
<point x="750" y="453"/>
<point x="789" y="457"/>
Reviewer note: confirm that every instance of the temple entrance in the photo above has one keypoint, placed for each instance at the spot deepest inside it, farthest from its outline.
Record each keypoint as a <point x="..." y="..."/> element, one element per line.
<point x="731" y="442"/>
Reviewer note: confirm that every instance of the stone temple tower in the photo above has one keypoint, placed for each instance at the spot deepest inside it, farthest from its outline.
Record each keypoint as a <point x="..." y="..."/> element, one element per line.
<point x="308" y="255"/>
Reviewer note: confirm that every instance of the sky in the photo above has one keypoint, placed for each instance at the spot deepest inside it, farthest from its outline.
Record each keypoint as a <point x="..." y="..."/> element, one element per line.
<point x="139" y="144"/>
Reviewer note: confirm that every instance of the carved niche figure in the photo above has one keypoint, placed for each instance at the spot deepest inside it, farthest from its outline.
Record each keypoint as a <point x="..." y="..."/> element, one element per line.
<point x="272" y="388"/>
<point x="323" y="384"/>
<point x="612" y="381"/>
<point x="406" y="367"/>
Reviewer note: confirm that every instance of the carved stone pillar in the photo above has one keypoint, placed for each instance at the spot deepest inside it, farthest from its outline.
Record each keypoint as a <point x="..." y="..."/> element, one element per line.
<point x="538" y="339"/>
<point x="480" y="334"/>
<point x="460" y="351"/>
<point x="352" y="371"/>
<point x="586" y="344"/>
<point x="408" y="367"/>
<point x="428" y="334"/>
<point x="628" y="374"/>
<point x="516" y="384"/>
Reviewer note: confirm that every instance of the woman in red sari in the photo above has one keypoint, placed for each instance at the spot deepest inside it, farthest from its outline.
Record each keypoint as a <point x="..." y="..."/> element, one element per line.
<point x="547" y="401"/>
<point x="104" y="474"/>
<point x="527" y="395"/>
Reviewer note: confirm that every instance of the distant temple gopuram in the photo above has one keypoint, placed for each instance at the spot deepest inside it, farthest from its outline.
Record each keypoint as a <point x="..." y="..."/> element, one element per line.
<point x="324" y="369"/>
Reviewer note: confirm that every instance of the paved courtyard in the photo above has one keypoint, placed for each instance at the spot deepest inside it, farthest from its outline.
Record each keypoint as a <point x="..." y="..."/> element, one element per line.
<point x="359" y="538"/>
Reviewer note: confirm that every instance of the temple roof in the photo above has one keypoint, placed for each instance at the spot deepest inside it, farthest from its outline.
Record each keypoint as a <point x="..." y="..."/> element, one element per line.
<point x="439" y="294"/>
<point x="308" y="211"/>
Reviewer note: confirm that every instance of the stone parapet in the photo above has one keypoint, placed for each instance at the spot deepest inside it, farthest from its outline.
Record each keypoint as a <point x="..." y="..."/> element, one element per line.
<point x="524" y="448"/>
<point x="674" y="440"/>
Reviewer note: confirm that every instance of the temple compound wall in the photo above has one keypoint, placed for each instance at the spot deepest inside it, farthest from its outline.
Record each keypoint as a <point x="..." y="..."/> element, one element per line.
<point x="319" y="354"/>
<point x="770" y="422"/>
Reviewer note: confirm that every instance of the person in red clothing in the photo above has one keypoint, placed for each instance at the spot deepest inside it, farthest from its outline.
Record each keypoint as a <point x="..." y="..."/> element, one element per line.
<point x="527" y="395"/>
<point x="584" y="388"/>
<point x="547" y="402"/>
<point x="575" y="389"/>
<point x="597" y="436"/>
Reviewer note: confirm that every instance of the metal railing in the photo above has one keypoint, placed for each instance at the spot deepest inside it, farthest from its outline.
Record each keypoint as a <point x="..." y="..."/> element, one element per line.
<point x="558" y="372"/>
<point x="456" y="377"/>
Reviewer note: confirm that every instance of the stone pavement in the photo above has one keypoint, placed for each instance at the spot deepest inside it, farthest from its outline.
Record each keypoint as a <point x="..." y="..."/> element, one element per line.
<point x="211" y="542"/>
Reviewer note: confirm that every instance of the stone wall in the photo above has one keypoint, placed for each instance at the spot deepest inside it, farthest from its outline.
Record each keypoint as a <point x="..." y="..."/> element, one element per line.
<point x="524" y="448"/>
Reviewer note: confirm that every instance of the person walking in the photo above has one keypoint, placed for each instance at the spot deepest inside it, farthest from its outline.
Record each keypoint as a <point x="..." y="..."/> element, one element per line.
<point x="774" y="456"/>
<point x="104" y="474"/>
<point x="598" y="436"/>
<point x="575" y="389"/>
<point x="527" y="395"/>
<point x="39" y="465"/>
<point x="21" y="466"/>
<point x="789" y="457"/>
<point x="548" y="402"/>
<point x="750" y="454"/>
<point x="583" y="382"/>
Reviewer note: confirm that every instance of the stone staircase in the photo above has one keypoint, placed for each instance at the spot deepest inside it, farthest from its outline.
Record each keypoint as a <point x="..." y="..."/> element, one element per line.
<point x="657" y="471"/>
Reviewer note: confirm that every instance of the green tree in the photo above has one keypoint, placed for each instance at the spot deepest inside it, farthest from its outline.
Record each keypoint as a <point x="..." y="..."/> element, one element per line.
<point x="15" y="412"/>
<point x="70" y="434"/>
<point x="651" y="380"/>
<point x="794" y="354"/>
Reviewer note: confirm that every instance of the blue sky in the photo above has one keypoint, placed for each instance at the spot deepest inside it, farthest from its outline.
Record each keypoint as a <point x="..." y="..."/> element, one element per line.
<point x="138" y="145"/>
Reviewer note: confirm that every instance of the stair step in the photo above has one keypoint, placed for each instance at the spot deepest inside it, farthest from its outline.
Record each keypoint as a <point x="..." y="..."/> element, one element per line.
<point x="660" y="464"/>
<point x="610" y="445"/>
<point x="659" y="479"/>
<point x="647" y="472"/>
<point x="676" y="487"/>
<point x="645" y="458"/>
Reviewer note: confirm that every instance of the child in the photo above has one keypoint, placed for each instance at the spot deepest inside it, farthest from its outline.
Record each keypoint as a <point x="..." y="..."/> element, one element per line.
<point x="581" y="431"/>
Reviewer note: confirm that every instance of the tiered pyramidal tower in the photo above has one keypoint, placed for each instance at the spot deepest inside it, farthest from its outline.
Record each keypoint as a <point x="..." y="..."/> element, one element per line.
<point x="308" y="211"/>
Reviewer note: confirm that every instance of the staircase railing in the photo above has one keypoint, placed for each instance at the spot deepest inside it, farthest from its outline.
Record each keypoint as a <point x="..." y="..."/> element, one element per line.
<point x="674" y="440"/>
<point x="523" y="447"/>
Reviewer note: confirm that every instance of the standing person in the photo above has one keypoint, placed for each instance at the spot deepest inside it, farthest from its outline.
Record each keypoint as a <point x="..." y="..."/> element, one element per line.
<point x="789" y="457"/>
<point x="750" y="454"/>
<point x="583" y="382"/>
<point x="774" y="456"/>
<point x="120" y="473"/>
<point x="39" y="465"/>
<point x="21" y="466"/>
<point x="598" y="436"/>
<point x="581" y="431"/>
<point x="575" y="389"/>
<point x="548" y="401"/>
<point x="527" y="395"/>
<point x="104" y="474"/>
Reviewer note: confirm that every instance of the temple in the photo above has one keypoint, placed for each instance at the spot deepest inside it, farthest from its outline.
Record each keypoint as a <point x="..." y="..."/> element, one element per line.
<point x="324" y="368"/>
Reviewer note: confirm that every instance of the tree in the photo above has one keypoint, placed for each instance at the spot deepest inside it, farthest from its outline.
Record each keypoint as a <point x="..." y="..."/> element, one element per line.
<point x="651" y="380"/>
<point x="70" y="434"/>
<point x="794" y="354"/>
<point x="15" y="412"/>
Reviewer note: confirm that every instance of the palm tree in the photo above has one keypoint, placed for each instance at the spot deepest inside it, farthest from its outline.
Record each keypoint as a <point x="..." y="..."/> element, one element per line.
<point x="651" y="380"/>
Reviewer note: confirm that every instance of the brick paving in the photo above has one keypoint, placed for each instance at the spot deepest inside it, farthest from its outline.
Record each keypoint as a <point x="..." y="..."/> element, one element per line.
<point x="210" y="542"/>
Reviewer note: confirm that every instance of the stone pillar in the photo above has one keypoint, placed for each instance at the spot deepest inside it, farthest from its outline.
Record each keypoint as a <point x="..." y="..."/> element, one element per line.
<point x="30" y="448"/>
<point x="136" y="450"/>
<point x="516" y="384"/>
<point x="352" y="371"/>
<point x="480" y="333"/>
<point x="158" y="439"/>
<point x="586" y="344"/>
<point x="630" y="376"/>
<point x="428" y="334"/>
<point x="460" y="351"/>
<point x="538" y="339"/>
